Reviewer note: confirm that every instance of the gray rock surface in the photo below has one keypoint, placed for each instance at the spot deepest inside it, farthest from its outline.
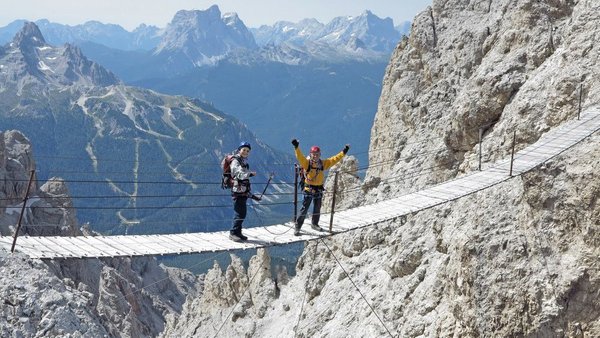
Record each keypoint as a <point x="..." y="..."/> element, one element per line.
<point x="119" y="297"/>
<point x="504" y="66"/>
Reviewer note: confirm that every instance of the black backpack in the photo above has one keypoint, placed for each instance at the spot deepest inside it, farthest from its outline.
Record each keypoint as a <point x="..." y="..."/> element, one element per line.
<point x="302" y="173"/>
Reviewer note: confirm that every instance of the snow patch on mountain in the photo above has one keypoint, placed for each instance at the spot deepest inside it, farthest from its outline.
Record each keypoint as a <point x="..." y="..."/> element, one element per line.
<point x="375" y="34"/>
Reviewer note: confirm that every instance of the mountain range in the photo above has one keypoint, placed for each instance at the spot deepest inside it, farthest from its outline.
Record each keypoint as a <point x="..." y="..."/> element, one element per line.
<point x="134" y="156"/>
<point x="367" y="30"/>
<point x="316" y="77"/>
<point x="144" y="37"/>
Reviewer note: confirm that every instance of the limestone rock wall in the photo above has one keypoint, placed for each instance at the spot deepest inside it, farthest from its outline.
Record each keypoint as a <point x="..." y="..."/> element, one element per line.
<point x="499" y="66"/>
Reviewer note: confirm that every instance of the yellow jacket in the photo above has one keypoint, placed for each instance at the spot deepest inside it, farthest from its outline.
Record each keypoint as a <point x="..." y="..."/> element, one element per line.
<point x="314" y="176"/>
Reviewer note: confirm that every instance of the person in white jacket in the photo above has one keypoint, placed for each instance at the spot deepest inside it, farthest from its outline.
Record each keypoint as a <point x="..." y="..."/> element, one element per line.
<point x="240" y="191"/>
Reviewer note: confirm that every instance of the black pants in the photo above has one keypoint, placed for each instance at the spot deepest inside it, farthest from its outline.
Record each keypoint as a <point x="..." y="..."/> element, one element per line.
<point x="239" y="208"/>
<point x="316" y="197"/>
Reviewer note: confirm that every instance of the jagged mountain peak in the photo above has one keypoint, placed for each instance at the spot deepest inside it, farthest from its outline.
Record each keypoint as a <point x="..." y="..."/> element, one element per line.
<point x="73" y="52"/>
<point x="213" y="13"/>
<point x="29" y="35"/>
<point x="29" y="60"/>
<point x="204" y="37"/>
<point x="364" y="15"/>
<point x="143" y="27"/>
<point x="231" y="18"/>
<point x="377" y="34"/>
<point x="368" y="15"/>
<point x="374" y="34"/>
<point x="367" y="12"/>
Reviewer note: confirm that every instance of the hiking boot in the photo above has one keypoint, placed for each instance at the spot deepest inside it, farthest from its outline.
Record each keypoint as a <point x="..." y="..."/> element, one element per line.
<point x="235" y="237"/>
<point x="297" y="231"/>
<point x="316" y="227"/>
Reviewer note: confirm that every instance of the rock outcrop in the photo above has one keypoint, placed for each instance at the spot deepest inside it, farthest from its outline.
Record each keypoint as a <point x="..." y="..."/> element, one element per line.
<point x="119" y="297"/>
<point x="236" y="296"/>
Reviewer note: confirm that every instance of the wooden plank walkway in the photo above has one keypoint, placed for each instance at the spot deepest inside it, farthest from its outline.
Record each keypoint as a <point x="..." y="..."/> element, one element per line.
<point x="548" y="146"/>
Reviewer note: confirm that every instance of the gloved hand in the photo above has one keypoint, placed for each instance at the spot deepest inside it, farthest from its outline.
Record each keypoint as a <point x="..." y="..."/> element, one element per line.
<point x="295" y="143"/>
<point x="256" y="198"/>
<point x="346" y="148"/>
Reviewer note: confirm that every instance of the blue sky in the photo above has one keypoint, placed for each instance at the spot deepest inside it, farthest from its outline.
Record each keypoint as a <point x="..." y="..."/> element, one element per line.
<point x="131" y="13"/>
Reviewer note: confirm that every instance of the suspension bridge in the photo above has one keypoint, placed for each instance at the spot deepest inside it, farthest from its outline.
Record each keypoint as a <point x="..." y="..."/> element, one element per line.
<point x="548" y="146"/>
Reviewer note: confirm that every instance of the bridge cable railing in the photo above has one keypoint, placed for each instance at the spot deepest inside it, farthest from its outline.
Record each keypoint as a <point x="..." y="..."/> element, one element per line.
<point x="267" y="204"/>
<point x="404" y="176"/>
<point x="216" y="172"/>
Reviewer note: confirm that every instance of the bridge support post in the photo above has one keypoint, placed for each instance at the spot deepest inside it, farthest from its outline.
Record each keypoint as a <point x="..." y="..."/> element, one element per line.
<point x="31" y="173"/>
<point x="580" y="95"/>
<point x="480" y="141"/>
<point x="512" y="153"/>
<point x="335" y="183"/>
<point x="482" y="130"/>
<point x="295" y="192"/>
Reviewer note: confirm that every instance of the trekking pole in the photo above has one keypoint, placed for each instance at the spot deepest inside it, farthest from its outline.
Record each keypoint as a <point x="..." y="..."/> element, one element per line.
<point x="335" y="182"/>
<point x="295" y="192"/>
<point x="12" y="249"/>
<point x="267" y="185"/>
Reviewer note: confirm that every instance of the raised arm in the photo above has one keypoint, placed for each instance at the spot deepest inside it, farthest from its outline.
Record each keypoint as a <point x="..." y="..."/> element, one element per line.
<point x="299" y="155"/>
<point x="330" y="162"/>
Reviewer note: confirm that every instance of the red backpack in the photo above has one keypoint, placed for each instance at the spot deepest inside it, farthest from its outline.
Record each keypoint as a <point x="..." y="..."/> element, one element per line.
<point x="227" y="179"/>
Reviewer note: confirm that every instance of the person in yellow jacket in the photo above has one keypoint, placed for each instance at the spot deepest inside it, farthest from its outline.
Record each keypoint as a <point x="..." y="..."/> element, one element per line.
<point x="314" y="168"/>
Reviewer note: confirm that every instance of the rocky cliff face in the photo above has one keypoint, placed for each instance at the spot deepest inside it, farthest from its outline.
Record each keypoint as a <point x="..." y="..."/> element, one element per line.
<point x="50" y="209"/>
<point x="515" y="260"/>
<point x="73" y="298"/>
<point x="495" y="66"/>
